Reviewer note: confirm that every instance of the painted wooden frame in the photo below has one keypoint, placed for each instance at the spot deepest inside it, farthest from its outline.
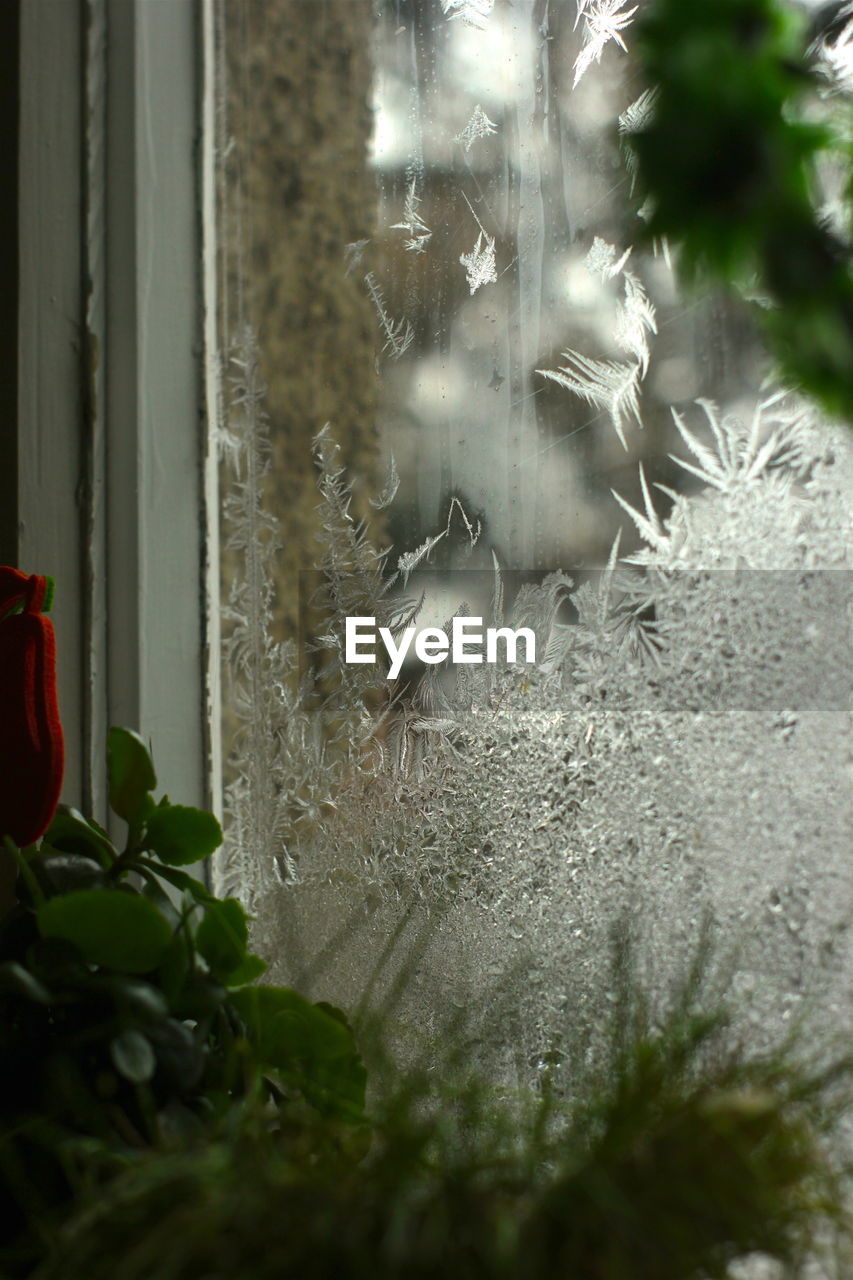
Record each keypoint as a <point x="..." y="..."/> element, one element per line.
<point x="116" y="469"/>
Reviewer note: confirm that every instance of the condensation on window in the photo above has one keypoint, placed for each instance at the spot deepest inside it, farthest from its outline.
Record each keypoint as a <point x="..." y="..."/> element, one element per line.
<point x="460" y="382"/>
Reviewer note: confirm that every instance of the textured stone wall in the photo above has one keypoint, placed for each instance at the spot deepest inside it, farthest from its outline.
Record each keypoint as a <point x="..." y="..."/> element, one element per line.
<point x="296" y="189"/>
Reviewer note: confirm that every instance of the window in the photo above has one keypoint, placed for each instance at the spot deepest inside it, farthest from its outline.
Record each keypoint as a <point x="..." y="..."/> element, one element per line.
<point x="426" y="236"/>
<point x="430" y="240"/>
<point x="112" y="426"/>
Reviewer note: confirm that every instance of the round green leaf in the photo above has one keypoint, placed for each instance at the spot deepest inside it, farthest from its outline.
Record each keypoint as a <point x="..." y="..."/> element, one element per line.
<point x="199" y="998"/>
<point x="247" y="971"/>
<point x="180" y="1059"/>
<point x="131" y="773"/>
<point x="70" y="832"/>
<point x="180" y="835"/>
<point x="222" y="936"/>
<point x="174" y="967"/>
<point x="117" y="930"/>
<point x="313" y="1049"/>
<point x="18" y="981"/>
<point x="133" y="998"/>
<point x="180" y="879"/>
<point x="59" y="872"/>
<point x="133" y="1057"/>
<point x="56" y="962"/>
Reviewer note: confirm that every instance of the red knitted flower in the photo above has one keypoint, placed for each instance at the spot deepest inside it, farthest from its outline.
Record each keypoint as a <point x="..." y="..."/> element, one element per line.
<point x="31" y="747"/>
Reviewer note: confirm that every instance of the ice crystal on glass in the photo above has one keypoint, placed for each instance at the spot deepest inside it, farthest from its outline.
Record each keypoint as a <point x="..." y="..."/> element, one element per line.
<point x="479" y="126"/>
<point x="678" y="756"/>
<point x="473" y="12"/>
<point x="603" y="21"/>
<point x="678" y="753"/>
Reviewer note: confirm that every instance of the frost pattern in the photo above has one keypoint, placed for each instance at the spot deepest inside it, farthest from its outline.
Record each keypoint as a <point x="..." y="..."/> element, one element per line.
<point x="635" y="320"/>
<point x="354" y="254"/>
<point x="635" y="117"/>
<point x="419" y="233"/>
<point x="603" y="21"/>
<point x="835" y="55"/>
<point x="633" y="120"/>
<point x="602" y="260"/>
<point x="474" y="12"/>
<point x="680" y="752"/>
<point x="399" y="334"/>
<point x="259" y="701"/>
<point x="411" y="560"/>
<point x="613" y="385"/>
<point x="389" y="489"/>
<point x="480" y="266"/>
<point x="790" y="477"/>
<point x="479" y="126"/>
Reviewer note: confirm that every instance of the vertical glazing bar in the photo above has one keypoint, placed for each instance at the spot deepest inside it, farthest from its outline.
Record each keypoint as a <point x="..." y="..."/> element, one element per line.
<point x="155" y="383"/>
<point x="51" y="464"/>
<point x="211" y="91"/>
<point x="94" y="407"/>
<point x="9" y="123"/>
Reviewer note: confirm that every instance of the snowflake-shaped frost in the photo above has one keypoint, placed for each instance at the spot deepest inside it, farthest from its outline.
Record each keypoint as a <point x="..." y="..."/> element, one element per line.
<point x="603" y="22"/>
<point x="835" y="57"/>
<point x="390" y="487"/>
<point x="479" y="264"/>
<point x="399" y="334"/>
<point x="602" y="260"/>
<point x="354" y="254"/>
<point x="752" y="511"/>
<point x="474" y="12"/>
<point x="479" y="126"/>
<point x="419" y="233"/>
<point x="635" y="118"/>
<point x="635" y="321"/>
<point x="613" y="385"/>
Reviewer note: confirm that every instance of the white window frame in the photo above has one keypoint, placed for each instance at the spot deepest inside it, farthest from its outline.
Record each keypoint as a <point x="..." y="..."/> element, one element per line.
<point x="117" y="494"/>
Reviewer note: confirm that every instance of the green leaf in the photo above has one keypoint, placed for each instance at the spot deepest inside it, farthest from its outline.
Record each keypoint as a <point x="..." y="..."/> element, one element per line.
<point x="56" y="961"/>
<point x="133" y="1057"/>
<point x="180" y="1060"/>
<point x="134" y="999"/>
<point x="118" y="930"/>
<point x="180" y="835"/>
<point x="72" y="833"/>
<point x="311" y="1048"/>
<point x="131" y="774"/>
<point x="174" y="968"/>
<point x="222" y="936"/>
<point x="18" y="981"/>
<point x="200" y="997"/>
<point x="180" y="880"/>
<point x="29" y="881"/>
<point x="251" y="968"/>
<point x="152" y="889"/>
<point x="60" y="872"/>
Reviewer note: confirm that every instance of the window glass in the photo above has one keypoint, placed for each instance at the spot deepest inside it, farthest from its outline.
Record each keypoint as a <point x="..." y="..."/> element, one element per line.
<point x="431" y="242"/>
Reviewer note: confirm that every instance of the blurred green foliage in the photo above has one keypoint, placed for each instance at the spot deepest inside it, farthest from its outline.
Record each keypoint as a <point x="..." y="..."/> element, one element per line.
<point x="728" y="161"/>
<point x="162" y="1118"/>
<point x="678" y="1156"/>
<point x="127" y="1018"/>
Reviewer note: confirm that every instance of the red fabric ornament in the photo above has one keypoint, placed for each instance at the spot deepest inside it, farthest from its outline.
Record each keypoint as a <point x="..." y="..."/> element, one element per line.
<point x="31" y="746"/>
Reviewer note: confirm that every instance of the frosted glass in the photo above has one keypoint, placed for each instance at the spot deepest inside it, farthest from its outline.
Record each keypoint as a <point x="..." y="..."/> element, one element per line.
<point x="432" y="242"/>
